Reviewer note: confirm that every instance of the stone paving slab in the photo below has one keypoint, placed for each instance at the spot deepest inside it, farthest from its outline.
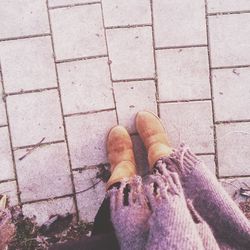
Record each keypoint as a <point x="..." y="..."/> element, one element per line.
<point x="87" y="137"/>
<point x="34" y="116"/>
<point x="231" y="94"/>
<point x="20" y="18"/>
<point x="28" y="64"/>
<point x="3" y="118"/>
<point x="80" y="77"/>
<point x="209" y="161"/>
<point x="129" y="49"/>
<point x="228" y="42"/>
<point x="179" y="23"/>
<point x="233" y="148"/>
<point x="43" y="174"/>
<point x="78" y="32"/>
<point x="10" y="189"/>
<point x="183" y="74"/>
<point x="6" y="163"/>
<point x="129" y="12"/>
<point x="181" y="121"/>
<point x="88" y="199"/>
<point x="128" y="101"/>
<point x="215" y="6"/>
<point x="42" y="210"/>
<point x="72" y="69"/>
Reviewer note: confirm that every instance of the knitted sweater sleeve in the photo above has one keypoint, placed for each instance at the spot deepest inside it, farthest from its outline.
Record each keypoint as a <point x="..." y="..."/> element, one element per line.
<point x="209" y="198"/>
<point x="130" y="221"/>
<point x="171" y="224"/>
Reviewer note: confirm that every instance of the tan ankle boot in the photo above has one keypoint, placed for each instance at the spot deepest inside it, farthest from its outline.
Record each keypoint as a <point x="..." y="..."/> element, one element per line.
<point x="153" y="135"/>
<point x="120" y="155"/>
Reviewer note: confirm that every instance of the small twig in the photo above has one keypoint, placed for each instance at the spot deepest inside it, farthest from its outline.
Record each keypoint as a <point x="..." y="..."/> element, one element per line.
<point x="32" y="149"/>
<point x="82" y="191"/>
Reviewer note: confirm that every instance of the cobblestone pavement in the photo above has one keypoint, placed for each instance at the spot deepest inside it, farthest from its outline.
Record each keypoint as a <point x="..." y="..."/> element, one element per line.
<point x="72" y="69"/>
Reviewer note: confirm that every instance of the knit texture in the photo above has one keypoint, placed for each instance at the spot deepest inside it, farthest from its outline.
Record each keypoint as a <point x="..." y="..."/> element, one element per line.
<point x="130" y="220"/>
<point x="205" y="232"/>
<point x="183" y="206"/>
<point x="171" y="225"/>
<point x="229" y="225"/>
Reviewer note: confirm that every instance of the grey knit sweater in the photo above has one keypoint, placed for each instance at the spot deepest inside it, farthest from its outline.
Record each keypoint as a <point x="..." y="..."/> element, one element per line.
<point x="181" y="206"/>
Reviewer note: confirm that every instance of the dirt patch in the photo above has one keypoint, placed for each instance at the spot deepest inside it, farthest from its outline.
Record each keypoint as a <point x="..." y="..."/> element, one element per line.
<point x="58" y="229"/>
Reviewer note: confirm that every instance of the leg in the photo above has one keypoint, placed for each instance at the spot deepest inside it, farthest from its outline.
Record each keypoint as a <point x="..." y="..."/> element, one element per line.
<point x="200" y="186"/>
<point x="171" y="224"/>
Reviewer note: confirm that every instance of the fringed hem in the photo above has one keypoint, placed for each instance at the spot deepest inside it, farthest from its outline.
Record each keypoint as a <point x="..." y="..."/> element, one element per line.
<point x="135" y="195"/>
<point x="181" y="160"/>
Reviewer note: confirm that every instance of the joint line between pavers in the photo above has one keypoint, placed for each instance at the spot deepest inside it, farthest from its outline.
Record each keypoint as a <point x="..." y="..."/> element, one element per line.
<point x="72" y="5"/>
<point x="231" y="67"/>
<point x="129" y="26"/>
<point x="211" y="89"/>
<point x="10" y="139"/>
<point x="234" y="176"/>
<point x="182" y="47"/>
<point x="188" y="100"/>
<point x="48" y="199"/>
<point x="7" y="180"/>
<point x="80" y="59"/>
<point x="232" y="121"/>
<point x="3" y="126"/>
<point x="63" y="119"/>
<point x="30" y="91"/>
<point x="135" y="80"/>
<point x="155" y="62"/>
<point x="109" y="66"/>
<point x="89" y="112"/>
<point x="88" y="167"/>
<point x="224" y="13"/>
<point x="24" y="37"/>
<point x="200" y="154"/>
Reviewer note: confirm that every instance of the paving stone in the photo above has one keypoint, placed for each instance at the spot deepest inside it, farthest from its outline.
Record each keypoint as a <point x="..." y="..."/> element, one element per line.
<point x="132" y="97"/>
<point x="28" y="64"/>
<point x="34" y="116"/>
<point x="229" y="40"/>
<point x="231" y="94"/>
<point x="233" y="185"/>
<point x="6" y="163"/>
<point x="140" y="155"/>
<point x="45" y="209"/>
<point x="89" y="201"/>
<point x="44" y="173"/>
<point x="85" y="85"/>
<point x="9" y="188"/>
<point x="58" y="3"/>
<point x="183" y="74"/>
<point x="179" y="23"/>
<point x="191" y="123"/>
<point x="131" y="53"/>
<point x="23" y="18"/>
<point x="228" y="5"/>
<point x="3" y="120"/>
<point x="87" y="136"/>
<point x="78" y="32"/>
<point x="233" y="142"/>
<point x="209" y="162"/>
<point x="129" y="12"/>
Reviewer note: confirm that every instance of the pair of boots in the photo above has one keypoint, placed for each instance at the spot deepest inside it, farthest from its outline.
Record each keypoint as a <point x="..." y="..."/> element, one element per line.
<point x="120" y="147"/>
